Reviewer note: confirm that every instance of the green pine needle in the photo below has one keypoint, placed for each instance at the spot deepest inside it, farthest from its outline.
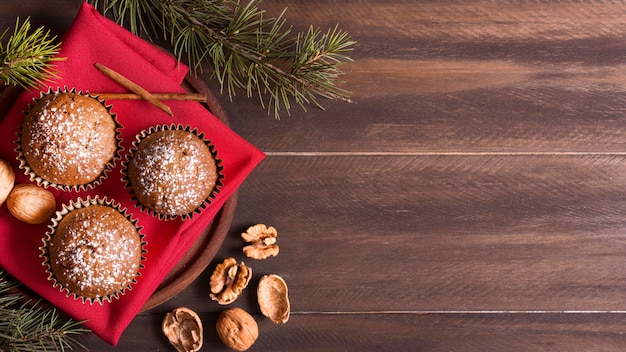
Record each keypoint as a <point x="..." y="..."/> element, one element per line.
<point x="25" y="327"/>
<point x="27" y="56"/>
<point x="245" y="50"/>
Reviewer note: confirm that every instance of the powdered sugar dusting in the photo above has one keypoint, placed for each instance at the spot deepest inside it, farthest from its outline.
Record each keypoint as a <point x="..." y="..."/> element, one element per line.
<point x="172" y="172"/>
<point x="68" y="138"/>
<point x="96" y="251"/>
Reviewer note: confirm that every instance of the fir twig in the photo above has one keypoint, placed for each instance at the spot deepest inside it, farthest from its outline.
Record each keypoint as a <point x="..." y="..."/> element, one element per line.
<point x="245" y="49"/>
<point x="31" y="328"/>
<point x="26" y="58"/>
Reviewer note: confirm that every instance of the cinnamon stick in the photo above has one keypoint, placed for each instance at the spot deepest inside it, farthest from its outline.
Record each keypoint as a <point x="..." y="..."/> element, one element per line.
<point x="133" y="87"/>
<point x="159" y="96"/>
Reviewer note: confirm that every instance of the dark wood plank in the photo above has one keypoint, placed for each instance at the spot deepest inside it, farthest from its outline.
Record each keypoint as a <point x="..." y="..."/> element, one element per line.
<point x="396" y="233"/>
<point x="450" y="76"/>
<point x="404" y="332"/>
<point x="528" y="118"/>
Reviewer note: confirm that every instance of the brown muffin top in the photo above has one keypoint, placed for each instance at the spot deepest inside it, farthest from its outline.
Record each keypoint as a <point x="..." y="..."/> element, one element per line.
<point x="68" y="138"/>
<point x="95" y="251"/>
<point x="172" y="172"/>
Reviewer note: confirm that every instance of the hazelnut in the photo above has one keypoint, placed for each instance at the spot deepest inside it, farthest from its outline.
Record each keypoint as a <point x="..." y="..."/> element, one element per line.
<point x="7" y="180"/>
<point x="263" y="241"/>
<point x="273" y="298"/>
<point x="228" y="281"/>
<point x="183" y="328"/>
<point x="237" y="329"/>
<point x="31" y="203"/>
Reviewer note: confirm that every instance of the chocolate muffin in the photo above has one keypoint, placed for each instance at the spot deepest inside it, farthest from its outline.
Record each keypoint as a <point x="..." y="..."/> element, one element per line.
<point x="173" y="171"/>
<point x="94" y="251"/>
<point x="68" y="140"/>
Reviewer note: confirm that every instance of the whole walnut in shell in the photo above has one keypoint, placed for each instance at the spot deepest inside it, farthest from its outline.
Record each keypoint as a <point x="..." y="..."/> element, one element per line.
<point x="273" y="298"/>
<point x="183" y="328"/>
<point x="7" y="180"/>
<point x="31" y="203"/>
<point x="262" y="241"/>
<point x="228" y="281"/>
<point x="237" y="329"/>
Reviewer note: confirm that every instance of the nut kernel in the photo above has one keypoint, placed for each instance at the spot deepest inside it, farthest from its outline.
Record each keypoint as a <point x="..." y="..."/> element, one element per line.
<point x="183" y="328"/>
<point x="228" y="280"/>
<point x="263" y="242"/>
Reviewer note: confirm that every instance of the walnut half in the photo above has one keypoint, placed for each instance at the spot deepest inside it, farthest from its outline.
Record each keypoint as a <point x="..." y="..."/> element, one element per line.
<point x="262" y="241"/>
<point x="228" y="281"/>
<point x="183" y="328"/>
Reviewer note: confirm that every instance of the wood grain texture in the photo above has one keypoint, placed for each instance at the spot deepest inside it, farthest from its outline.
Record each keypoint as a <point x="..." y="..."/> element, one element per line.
<point x="406" y="332"/>
<point x="416" y="233"/>
<point x="471" y="199"/>
<point x="457" y="76"/>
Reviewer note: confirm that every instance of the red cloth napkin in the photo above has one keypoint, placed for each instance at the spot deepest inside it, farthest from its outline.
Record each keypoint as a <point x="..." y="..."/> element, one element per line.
<point x="93" y="38"/>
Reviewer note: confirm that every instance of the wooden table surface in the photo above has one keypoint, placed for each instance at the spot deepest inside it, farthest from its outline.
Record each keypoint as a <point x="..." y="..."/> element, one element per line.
<point x="473" y="198"/>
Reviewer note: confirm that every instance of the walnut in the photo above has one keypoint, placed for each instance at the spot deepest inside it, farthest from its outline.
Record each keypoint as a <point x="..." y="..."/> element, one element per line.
<point x="237" y="329"/>
<point x="273" y="298"/>
<point x="228" y="281"/>
<point x="7" y="180"/>
<point x="31" y="203"/>
<point x="263" y="239"/>
<point x="183" y="328"/>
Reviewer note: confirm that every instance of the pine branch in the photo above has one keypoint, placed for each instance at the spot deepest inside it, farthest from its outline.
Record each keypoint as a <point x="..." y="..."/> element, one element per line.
<point x="31" y="328"/>
<point x="26" y="58"/>
<point x="245" y="50"/>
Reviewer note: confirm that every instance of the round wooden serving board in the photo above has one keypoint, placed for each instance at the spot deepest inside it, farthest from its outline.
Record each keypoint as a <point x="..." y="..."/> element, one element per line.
<point x="202" y="252"/>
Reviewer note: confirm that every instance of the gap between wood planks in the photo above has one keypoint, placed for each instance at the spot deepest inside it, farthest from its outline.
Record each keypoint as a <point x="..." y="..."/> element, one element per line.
<point x="435" y="153"/>
<point x="426" y="312"/>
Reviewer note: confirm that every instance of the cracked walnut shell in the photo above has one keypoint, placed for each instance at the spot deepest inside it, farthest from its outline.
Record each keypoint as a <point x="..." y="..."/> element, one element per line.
<point x="273" y="298"/>
<point x="183" y="328"/>
<point x="263" y="242"/>
<point x="228" y="281"/>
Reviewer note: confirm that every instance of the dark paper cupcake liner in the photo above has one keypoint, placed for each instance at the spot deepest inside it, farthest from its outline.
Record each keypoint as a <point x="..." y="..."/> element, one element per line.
<point x="159" y="128"/>
<point x="41" y="181"/>
<point x="45" y="253"/>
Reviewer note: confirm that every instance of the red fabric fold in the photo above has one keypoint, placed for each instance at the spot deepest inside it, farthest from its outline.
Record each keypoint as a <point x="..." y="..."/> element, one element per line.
<point x="93" y="38"/>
